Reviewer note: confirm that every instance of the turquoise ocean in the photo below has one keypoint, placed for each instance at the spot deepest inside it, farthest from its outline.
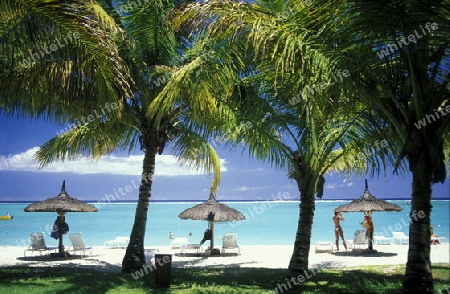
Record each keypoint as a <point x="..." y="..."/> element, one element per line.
<point x="267" y="223"/>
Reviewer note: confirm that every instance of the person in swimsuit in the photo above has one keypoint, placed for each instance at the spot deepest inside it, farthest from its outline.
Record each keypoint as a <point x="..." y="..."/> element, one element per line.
<point x="338" y="230"/>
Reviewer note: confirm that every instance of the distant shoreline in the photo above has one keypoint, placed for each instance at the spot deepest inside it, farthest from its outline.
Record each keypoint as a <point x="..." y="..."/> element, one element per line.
<point x="223" y="201"/>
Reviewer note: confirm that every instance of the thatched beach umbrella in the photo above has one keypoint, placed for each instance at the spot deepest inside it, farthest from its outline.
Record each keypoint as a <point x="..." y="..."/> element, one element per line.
<point x="61" y="204"/>
<point x="366" y="204"/>
<point x="212" y="211"/>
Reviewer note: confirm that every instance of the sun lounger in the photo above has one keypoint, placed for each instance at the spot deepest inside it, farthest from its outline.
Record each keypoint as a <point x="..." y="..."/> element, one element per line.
<point x="178" y="243"/>
<point x="118" y="242"/>
<point x="150" y="254"/>
<point x="360" y="238"/>
<point x="37" y="243"/>
<point x="319" y="247"/>
<point x="400" y="238"/>
<point x="381" y="240"/>
<point x="197" y="247"/>
<point x="229" y="241"/>
<point x="184" y="245"/>
<point x="78" y="245"/>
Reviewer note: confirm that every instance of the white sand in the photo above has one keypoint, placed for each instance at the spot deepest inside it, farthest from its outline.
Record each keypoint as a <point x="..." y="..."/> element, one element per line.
<point x="251" y="256"/>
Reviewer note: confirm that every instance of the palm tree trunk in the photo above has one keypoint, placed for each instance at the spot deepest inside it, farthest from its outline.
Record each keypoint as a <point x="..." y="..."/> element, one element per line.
<point x="300" y="257"/>
<point x="134" y="257"/>
<point x="418" y="277"/>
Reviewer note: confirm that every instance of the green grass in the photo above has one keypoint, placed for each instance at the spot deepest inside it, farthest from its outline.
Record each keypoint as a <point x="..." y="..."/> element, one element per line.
<point x="369" y="279"/>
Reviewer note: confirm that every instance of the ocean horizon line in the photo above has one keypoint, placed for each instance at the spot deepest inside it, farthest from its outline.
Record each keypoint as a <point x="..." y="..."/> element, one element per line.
<point x="180" y="201"/>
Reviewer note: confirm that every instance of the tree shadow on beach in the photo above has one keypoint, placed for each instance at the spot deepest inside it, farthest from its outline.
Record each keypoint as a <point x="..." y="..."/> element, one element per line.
<point x="70" y="261"/>
<point x="364" y="253"/>
<point x="201" y="259"/>
<point x="371" y="279"/>
<point x="277" y="281"/>
<point x="63" y="280"/>
<point x="351" y="281"/>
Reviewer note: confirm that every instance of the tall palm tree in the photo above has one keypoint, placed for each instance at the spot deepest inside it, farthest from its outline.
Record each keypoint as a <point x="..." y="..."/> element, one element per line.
<point x="59" y="59"/>
<point x="292" y="71"/>
<point x="167" y="109"/>
<point x="406" y="53"/>
<point x="131" y="131"/>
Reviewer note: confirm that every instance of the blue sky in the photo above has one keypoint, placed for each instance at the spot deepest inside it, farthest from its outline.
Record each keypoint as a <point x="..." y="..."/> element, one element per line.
<point x="116" y="177"/>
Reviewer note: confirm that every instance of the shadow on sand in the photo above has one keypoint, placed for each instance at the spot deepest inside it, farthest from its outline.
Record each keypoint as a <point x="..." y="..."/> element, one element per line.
<point x="364" y="253"/>
<point x="74" y="261"/>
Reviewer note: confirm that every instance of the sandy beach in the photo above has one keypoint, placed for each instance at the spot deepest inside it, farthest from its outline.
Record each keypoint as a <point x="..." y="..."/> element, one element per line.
<point x="278" y="256"/>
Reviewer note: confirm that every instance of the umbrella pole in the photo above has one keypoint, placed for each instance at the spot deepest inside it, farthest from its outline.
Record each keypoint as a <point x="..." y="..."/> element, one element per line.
<point x="371" y="238"/>
<point x="211" y="225"/>
<point x="370" y="229"/>
<point x="61" y="223"/>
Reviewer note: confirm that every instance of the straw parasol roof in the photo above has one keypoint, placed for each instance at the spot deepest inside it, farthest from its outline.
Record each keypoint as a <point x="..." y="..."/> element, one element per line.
<point x="61" y="204"/>
<point x="222" y="212"/>
<point x="212" y="211"/>
<point x="368" y="203"/>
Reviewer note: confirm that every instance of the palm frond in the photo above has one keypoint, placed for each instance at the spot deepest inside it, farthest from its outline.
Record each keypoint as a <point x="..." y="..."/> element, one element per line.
<point x="194" y="151"/>
<point x="72" y="41"/>
<point x="95" y="138"/>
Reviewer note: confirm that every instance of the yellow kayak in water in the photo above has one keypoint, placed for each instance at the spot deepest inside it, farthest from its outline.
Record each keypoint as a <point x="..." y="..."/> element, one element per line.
<point x="6" y="217"/>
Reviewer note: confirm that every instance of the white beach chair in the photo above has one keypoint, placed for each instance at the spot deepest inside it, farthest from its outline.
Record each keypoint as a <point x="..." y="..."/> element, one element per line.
<point x="381" y="240"/>
<point x="360" y="238"/>
<point x="78" y="245"/>
<point x="37" y="243"/>
<point x="184" y="245"/>
<point x="150" y="254"/>
<point x="178" y="243"/>
<point x="400" y="238"/>
<point x="197" y="247"/>
<point x="229" y="241"/>
<point x="320" y="245"/>
<point x="118" y="242"/>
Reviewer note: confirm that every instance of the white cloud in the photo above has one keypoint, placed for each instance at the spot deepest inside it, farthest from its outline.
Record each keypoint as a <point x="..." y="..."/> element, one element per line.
<point x="245" y="188"/>
<point x="166" y="165"/>
<point x="336" y="185"/>
<point x="259" y="169"/>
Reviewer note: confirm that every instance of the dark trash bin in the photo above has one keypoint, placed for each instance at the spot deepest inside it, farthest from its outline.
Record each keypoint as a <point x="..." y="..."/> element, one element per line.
<point x="163" y="269"/>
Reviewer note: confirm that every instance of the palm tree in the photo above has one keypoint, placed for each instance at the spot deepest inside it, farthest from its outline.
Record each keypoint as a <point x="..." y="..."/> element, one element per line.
<point x="325" y="135"/>
<point x="405" y="50"/>
<point x="59" y="59"/>
<point x="167" y="109"/>
<point x="133" y="129"/>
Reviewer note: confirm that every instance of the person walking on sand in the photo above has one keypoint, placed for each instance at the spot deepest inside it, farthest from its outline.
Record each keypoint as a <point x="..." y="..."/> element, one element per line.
<point x="338" y="230"/>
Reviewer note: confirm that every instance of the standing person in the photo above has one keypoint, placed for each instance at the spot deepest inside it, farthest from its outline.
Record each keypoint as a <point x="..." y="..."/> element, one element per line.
<point x="369" y="227"/>
<point x="338" y="230"/>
